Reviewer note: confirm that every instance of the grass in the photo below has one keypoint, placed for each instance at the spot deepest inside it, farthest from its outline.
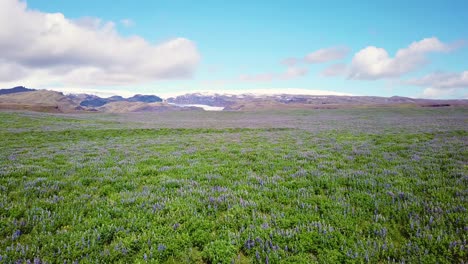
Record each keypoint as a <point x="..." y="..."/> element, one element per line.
<point x="326" y="186"/>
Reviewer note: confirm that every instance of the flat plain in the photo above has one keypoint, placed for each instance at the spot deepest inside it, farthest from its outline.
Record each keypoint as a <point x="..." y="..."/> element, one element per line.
<point x="370" y="185"/>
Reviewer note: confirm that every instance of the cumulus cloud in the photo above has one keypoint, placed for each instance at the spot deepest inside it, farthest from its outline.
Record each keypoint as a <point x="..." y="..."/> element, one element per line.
<point x="51" y="48"/>
<point x="373" y="63"/>
<point x="290" y="73"/>
<point x="326" y="55"/>
<point x="440" y="84"/>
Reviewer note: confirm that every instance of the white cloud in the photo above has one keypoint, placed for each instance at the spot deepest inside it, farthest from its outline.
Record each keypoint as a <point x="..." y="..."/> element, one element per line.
<point x="335" y="70"/>
<point x="290" y="73"/>
<point x="435" y="93"/>
<point x="373" y="63"/>
<point x="53" y="49"/>
<point x="441" y="80"/>
<point x="440" y="84"/>
<point x="326" y="55"/>
<point x="11" y="71"/>
<point x="293" y="73"/>
<point x="290" y="61"/>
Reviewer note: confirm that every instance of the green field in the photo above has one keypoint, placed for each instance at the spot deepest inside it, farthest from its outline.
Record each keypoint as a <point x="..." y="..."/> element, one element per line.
<point x="327" y="186"/>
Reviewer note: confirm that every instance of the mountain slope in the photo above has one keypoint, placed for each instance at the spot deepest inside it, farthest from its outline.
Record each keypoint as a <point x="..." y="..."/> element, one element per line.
<point x="131" y="107"/>
<point x="144" y="98"/>
<point x="41" y="100"/>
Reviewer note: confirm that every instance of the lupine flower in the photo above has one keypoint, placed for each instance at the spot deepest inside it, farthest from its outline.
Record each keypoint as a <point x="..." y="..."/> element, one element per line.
<point x="161" y="247"/>
<point x="16" y="235"/>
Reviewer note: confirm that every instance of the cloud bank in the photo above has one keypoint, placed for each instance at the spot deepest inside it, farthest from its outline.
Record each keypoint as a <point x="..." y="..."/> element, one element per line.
<point x="441" y="84"/>
<point x="441" y="80"/>
<point x="45" y="48"/>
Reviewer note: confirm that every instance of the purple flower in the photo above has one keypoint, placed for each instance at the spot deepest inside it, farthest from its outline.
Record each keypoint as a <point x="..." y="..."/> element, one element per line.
<point x="431" y="220"/>
<point x="249" y="244"/>
<point x="161" y="247"/>
<point x="16" y="235"/>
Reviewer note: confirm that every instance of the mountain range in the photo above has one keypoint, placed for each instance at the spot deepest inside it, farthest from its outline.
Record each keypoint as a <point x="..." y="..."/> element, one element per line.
<point x="250" y="102"/>
<point x="21" y="98"/>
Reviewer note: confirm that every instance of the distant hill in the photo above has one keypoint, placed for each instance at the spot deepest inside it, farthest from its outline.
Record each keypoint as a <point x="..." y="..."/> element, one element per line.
<point x="144" y="98"/>
<point x="116" y="98"/>
<point x="39" y="100"/>
<point x="95" y="101"/>
<point x="17" y="89"/>
<point x="132" y="107"/>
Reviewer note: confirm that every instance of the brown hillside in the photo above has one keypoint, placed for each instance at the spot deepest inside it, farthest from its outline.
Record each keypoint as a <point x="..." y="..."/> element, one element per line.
<point x="42" y="100"/>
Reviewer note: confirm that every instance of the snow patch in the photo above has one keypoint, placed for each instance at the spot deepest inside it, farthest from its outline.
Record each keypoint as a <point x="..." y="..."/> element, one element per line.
<point x="205" y="107"/>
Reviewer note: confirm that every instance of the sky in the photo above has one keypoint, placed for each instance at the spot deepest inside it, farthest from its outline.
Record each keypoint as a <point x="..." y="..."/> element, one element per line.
<point x="169" y="47"/>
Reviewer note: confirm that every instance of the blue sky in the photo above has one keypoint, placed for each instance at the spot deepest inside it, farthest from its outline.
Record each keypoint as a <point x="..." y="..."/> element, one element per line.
<point x="240" y="46"/>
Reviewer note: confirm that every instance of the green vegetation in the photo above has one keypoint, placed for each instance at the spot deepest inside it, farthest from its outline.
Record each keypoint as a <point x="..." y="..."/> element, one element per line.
<point x="328" y="186"/>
